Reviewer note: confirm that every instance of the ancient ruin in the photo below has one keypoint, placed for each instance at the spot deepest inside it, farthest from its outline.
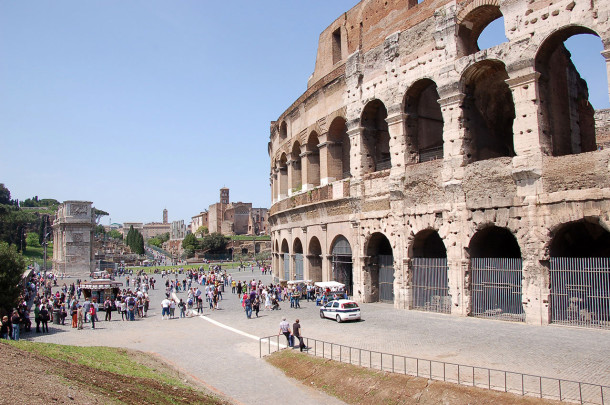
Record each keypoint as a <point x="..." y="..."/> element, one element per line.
<point x="73" y="231"/>
<point x="424" y="172"/>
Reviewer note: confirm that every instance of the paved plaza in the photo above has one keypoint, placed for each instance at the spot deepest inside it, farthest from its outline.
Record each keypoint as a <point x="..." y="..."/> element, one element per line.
<point x="226" y="358"/>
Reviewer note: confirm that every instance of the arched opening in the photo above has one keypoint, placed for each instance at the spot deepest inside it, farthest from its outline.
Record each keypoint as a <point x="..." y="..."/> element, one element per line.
<point x="313" y="160"/>
<point x="285" y="259"/>
<point x="257" y="248"/>
<point x="295" y="157"/>
<point x="283" y="174"/>
<point x="568" y="125"/>
<point x="471" y="35"/>
<point x="341" y="262"/>
<point x="429" y="278"/>
<point x="496" y="275"/>
<point x="244" y="251"/>
<point x="298" y="259"/>
<point x="380" y="269"/>
<point x="283" y="131"/>
<point x="315" y="260"/>
<point x="424" y="124"/>
<point x="580" y="275"/>
<point x="489" y="111"/>
<point x="339" y="150"/>
<point x="376" y="137"/>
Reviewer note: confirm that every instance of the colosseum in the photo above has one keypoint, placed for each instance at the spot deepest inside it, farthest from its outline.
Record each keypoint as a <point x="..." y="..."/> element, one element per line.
<point x="426" y="173"/>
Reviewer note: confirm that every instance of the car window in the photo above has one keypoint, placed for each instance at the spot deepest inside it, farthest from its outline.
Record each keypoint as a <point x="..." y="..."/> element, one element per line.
<point x="335" y="305"/>
<point x="350" y="305"/>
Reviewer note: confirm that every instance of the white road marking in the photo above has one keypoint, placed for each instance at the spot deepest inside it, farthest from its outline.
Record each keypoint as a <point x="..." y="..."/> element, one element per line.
<point x="240" y="332"/>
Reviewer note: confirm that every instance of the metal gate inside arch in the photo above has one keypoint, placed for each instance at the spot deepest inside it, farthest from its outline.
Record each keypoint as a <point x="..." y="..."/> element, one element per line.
<point x="298" y="266"/>
<point x="386" y="278"/>
<point x="342" y="264"/>
<point x="286" y="266"/>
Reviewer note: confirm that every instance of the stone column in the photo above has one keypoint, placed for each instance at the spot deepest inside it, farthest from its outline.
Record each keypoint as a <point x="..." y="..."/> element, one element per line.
<point x="290" y="166"/>
<point x="359" y="162"/>
<point x="283" y="182"/>
<point x="325" y="146"/>
<point x="396" y="129"/>
<point x="529" y="137"/>
<point x="306" y="185"/>
<point x="527" y="132"/>
<point x="455" y="144"/>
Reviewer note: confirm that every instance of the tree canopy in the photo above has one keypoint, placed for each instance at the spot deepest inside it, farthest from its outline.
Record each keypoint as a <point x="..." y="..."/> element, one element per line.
<point x="214" y="243"/>
<point x="12" y="265"/>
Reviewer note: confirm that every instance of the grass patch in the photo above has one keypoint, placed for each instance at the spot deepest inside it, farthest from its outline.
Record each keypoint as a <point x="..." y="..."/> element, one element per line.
<point x="114" y="360"/>
<point x="206" y="267"/>
<point x="246" y="237"/>
<point x="35" y="254"/>
<point x="113" y="374"/>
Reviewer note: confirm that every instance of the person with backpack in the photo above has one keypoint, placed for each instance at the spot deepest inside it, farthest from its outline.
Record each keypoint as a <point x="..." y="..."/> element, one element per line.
<point x="108" y="309"/>
<point x="44" y="318"/>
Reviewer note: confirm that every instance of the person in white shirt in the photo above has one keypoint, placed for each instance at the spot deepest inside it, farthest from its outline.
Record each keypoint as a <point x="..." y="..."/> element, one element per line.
<point x="165" y="308"/>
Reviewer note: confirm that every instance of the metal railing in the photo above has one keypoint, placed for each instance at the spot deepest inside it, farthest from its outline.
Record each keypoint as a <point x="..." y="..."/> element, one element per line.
<point x="473" y="376"/>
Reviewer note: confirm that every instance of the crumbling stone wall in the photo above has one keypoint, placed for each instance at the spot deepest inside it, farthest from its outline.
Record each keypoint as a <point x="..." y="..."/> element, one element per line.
<point x="515" y="152"/>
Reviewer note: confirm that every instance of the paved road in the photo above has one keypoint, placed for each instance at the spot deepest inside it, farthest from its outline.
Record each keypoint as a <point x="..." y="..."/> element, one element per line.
<point x="200" y="347"/>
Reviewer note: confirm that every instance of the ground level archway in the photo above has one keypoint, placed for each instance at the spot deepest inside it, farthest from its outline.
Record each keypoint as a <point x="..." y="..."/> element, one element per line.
<point x="580" y="275"/>
<point x="341" y="262"/>
<point x="429" y="274"/>
<point x="496" y="275"/>
<point x="380" y="272"/>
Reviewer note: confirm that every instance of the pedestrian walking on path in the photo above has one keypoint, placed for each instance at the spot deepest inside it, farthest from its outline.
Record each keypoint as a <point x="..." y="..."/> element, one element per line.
<point x="285" y="329"/>
<point x="297" y="332"/>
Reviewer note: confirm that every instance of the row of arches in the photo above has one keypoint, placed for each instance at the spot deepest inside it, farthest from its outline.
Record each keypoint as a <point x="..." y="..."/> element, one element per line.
<point x="579" y="286"/>
<point x="488" y="116"/>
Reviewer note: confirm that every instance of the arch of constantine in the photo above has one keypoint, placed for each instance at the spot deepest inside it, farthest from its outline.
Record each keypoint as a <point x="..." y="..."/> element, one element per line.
<point x="426" y="173"/>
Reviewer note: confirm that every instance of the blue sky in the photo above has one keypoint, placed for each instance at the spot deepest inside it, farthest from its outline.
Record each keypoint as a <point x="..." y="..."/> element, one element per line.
<point x="144" y="105"/>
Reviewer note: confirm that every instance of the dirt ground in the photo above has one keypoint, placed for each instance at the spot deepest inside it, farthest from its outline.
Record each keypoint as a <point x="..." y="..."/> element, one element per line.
<point x="357" y="385"/>
<point x="29" y="378"/>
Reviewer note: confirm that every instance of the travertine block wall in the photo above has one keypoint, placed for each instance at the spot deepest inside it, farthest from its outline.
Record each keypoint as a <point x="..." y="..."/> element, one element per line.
<point x="503" y="161"/>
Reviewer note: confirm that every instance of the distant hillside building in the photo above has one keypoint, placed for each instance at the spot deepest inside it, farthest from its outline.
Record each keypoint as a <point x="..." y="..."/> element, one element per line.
<point x="228" y="218"/>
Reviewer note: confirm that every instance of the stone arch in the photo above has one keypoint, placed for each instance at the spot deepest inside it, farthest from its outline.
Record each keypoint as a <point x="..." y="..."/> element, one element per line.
<point x="379" y="271"/>
<point x="375" y="136"/>
<point x="342" y="262"/>
<point x="564" y="96"/>
<point x="489" y="111"/>
<point x="582" y="238"/>
<point x="472" y="20"/>
<point x="314" y="257"/>
<point x="285" y="261"/>
<point x="283" y="176"/>
<point x="427" y="244"/>
<point x="283" y="131"/>
<point x="424" y="121"/>
<point x="312" y="154"/>
<point x="295" y="157"/>
<point x="297" y="255"/>
<point x="493" y="241"/>
<point x="338" y="165"/>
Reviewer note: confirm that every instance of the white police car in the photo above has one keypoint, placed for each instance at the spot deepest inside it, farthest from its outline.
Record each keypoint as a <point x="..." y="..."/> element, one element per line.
<point x="341" y="310"/>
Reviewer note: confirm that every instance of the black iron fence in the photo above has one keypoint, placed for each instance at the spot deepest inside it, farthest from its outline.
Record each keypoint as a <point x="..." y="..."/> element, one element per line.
<point x="474" y="376"/>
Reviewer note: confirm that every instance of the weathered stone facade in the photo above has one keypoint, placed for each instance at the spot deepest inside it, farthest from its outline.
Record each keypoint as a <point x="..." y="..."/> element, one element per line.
<point x="411" y="143"/>
<point x="73" y="231"/>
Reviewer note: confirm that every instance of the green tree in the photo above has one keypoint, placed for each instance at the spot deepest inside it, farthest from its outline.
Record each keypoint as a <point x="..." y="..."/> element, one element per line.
<point x="155" y="242"/>
<point x="214" y="243"/>
<point x="138" y="244"/>
<point x="5" y="195"/>
<point x="99" y="214"/>
<point x="32" y="239"/>
<point x="202" y="230"/>
<point x="100" y="230"/>
<point x="190" y="242"/>
<point x="114" y="234"/>
<point x="12" y="266"/>
<point x="164" y="237"/>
